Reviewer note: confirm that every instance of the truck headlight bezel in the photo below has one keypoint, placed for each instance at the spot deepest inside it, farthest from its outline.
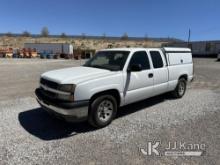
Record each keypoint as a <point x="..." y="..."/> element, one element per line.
<point x="70" y="88"/>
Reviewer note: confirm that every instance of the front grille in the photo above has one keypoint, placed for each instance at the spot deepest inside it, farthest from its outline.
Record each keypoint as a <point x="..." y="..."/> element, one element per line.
<point x="49" y="83"/>
<point x="49" y="94"/>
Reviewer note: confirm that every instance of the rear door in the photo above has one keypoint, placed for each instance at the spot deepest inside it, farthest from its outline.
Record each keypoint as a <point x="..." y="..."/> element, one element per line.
<point x="160" y="72"/>
<point x="139" y="85"/>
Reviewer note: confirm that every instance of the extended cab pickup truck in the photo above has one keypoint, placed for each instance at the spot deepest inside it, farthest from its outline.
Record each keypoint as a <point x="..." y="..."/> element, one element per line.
<point x="114" y="78"/>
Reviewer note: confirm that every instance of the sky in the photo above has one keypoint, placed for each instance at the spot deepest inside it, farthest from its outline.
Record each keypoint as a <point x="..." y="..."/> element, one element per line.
<point x="138" y="18"/>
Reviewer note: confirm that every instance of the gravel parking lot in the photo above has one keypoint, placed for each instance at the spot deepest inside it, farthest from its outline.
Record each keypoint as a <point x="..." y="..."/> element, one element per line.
<point x="28" y="135"/>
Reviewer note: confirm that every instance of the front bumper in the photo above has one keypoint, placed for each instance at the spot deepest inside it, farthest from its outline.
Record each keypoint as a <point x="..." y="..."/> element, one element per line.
<point x="69" y="111"/>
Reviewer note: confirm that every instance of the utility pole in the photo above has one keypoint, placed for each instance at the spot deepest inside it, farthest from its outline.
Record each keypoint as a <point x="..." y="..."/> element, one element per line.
<point x="189" y="36"/>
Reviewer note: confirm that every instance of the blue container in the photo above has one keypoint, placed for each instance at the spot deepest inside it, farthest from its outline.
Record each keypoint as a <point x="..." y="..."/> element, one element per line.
<point x="50" y="56"/>
<point x="43" y="55"/>
<point x="15" y="56"/>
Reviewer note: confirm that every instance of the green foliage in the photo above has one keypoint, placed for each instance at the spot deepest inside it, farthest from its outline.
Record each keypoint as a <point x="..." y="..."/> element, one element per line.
<point x="8" y="34"/>
<point x="63" y="35"/>
<point x="26" y="34"/>
<point x="45" y="32"/>
<point x="124" y="36"/>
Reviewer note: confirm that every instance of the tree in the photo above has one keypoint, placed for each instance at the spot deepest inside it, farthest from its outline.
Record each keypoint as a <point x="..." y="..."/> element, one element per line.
<point x="83" y="35"/>
<point x="45" y="32"/>
<point x="104" y="36"/>
<point x="8" y="34"/>
<point x="124" y="36"/>
<point x="26" y="34"/>
<point x="63" y="35"/>
<point x="146" y="37"/>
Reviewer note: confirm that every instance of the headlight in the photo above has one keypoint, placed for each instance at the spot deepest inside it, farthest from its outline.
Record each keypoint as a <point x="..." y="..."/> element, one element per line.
<point x="67" y="88"/>
<point x="70" y="88"/>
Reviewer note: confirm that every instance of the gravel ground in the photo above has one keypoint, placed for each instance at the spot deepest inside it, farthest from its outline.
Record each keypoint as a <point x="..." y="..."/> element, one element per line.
<point x="19" y="78"/>
<point x="28" y="135"/>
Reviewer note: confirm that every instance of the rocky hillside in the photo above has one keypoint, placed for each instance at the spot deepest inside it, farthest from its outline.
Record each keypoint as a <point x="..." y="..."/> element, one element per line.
<point x="80" y="42"/>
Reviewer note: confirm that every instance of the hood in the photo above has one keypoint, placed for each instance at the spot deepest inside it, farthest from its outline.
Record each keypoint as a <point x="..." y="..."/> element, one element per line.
<point x="75" y="75"/>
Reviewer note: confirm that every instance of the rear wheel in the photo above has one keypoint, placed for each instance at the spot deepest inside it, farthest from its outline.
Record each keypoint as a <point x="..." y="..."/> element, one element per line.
<point x="102" y="111"/>
<point x="180" y="88"/>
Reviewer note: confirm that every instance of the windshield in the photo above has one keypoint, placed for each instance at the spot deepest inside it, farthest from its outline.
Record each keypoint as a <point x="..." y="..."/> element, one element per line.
<point x="110" y="60"/>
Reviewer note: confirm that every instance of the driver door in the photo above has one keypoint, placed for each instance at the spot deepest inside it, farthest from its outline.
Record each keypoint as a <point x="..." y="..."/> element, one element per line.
<point x="139" y="84"/>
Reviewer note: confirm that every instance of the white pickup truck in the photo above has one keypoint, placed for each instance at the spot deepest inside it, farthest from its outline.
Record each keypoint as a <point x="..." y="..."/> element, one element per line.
<point x="114" y="78"/>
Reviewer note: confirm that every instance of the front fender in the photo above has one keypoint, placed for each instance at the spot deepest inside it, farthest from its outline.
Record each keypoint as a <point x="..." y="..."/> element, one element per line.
<point x="86" y="90"/>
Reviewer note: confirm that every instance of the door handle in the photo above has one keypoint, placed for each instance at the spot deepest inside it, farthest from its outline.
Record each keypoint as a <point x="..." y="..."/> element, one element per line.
<point x="150" y="75"/>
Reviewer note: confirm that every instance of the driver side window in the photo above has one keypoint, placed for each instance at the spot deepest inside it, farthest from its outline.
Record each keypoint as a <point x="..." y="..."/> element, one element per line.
<point x="140" y="58"/>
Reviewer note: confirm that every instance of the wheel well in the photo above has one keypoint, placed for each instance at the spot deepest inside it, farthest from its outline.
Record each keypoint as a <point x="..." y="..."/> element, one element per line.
<point x="112" y="92"/>
<point x="184" y="76"/>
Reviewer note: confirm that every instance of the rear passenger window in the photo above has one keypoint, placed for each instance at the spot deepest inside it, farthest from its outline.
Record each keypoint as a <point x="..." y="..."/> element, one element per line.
<point x="156" y="59"/>
<point x="140" y="58"/>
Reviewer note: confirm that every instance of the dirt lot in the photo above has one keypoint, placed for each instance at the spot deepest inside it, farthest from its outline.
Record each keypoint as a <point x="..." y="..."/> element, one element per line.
<point x="28" y="135"/>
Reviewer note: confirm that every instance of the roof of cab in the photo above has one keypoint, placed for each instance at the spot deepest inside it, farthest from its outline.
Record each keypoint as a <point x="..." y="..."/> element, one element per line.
<point x="124" y="49"/>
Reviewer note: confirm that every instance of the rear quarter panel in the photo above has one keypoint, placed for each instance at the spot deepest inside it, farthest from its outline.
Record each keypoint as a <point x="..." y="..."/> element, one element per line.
<point x="175" y="71"/>
<point x="179" y="64"/>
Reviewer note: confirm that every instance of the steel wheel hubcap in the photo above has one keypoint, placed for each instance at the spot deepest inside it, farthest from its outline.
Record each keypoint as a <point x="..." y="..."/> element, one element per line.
<point x="181" y="88"/>
<point x="105" y="110"/>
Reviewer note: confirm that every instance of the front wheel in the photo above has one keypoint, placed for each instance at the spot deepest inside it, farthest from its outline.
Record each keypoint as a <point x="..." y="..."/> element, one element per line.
<point x="180" y="88"/>
<point x="102" y="111"/>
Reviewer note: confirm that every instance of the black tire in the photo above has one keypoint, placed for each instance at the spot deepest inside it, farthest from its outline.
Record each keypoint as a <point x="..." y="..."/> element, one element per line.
<point x="180" y="89"/>
<point x="97" y="111"/>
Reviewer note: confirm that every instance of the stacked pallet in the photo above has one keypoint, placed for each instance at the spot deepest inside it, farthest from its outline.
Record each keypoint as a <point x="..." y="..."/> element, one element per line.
<point x="29" y="53"/>
<point x="2" y="52"/>
<point x="34" y="53"/>
<point x="8" y="52"/>
<point x="18" y="53"/>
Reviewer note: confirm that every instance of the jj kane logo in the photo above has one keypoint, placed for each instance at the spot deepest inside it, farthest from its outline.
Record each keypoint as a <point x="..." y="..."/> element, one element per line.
<point x="173" y="149"/>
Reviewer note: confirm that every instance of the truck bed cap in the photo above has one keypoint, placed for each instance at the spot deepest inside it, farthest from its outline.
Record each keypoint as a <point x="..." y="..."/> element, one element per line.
<point x="171" y="49"/>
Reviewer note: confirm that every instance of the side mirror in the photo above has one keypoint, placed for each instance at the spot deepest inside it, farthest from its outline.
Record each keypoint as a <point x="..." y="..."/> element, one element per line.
<point x="135" y="68"/>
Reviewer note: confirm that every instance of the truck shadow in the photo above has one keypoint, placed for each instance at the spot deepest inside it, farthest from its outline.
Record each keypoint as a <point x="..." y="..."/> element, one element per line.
<point x="142" y="105"/>
<point x="40" y="124"/>
<point x="46" y="127"/>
